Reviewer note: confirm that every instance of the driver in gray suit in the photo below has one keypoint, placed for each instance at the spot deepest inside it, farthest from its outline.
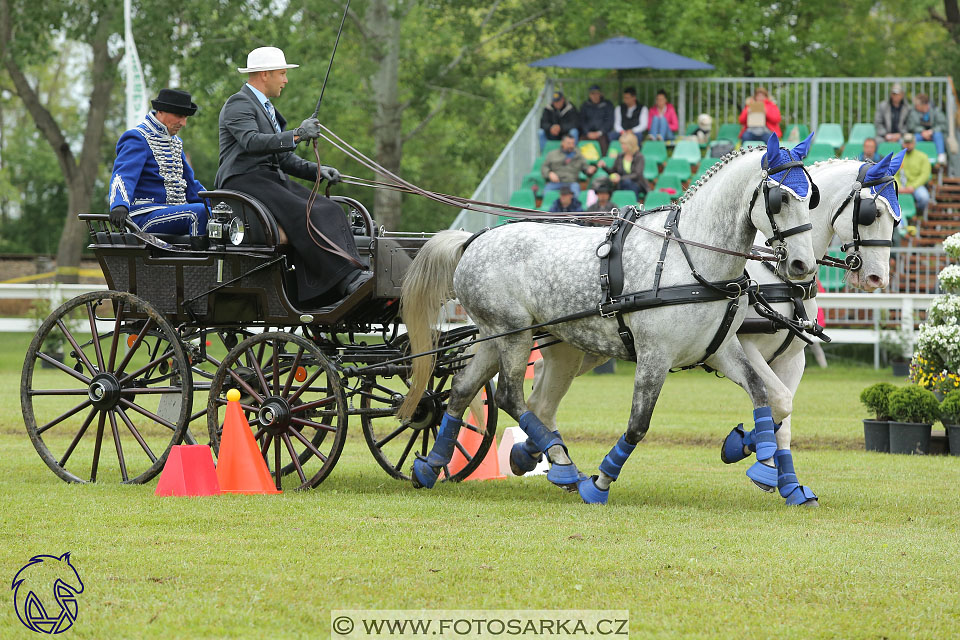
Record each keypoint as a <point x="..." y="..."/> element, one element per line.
<point x="256" y="158"/>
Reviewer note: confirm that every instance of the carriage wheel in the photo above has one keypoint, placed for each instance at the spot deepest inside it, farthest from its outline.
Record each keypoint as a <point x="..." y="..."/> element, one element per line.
<point x="395" y="444"/>
<point x="291" y="396"/>
<point x="105" y="364"/>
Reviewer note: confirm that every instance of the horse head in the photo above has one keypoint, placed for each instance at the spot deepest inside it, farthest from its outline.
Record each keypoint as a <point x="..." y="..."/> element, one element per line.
<point x="780" y="208"/>
<point x="38" y="584"/>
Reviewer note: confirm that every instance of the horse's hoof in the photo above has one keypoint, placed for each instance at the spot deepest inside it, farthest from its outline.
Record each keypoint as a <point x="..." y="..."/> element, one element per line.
<point x="590" y="493"/>
<point x="732" y="449"/>
<point x="565" y="476"/>
<point x="812" y="503"/>
<point x="800" y="496"/>
<point x="521" y="462"/>
<point x="424" y="476"/>
<point x="763" y="476"/>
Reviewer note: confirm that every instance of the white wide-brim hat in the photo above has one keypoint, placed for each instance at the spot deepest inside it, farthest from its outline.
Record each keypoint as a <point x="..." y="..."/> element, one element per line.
<point x="266" y="59"/>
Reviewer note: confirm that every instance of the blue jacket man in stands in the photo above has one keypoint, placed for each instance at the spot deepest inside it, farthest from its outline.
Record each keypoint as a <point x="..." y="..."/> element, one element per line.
<point x="152" y="180"/>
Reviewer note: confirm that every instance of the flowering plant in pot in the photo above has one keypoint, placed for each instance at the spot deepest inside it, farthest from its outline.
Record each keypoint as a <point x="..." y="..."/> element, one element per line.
<point x="950" y="417"/>
<point x="876" y="431"/>
<point x="913" y="410"/>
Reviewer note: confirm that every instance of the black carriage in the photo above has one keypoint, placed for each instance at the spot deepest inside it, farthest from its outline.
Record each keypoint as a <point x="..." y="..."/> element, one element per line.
<point x="181" y="318"/>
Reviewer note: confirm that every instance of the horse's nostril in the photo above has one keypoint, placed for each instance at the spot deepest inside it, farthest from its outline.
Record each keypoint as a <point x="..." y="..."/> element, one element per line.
<point x="798" y="266"/>
<point x="874" y="281"/>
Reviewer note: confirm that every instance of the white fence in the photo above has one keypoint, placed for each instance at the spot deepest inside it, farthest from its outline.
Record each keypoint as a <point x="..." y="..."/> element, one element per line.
<point x="56" y="294"/>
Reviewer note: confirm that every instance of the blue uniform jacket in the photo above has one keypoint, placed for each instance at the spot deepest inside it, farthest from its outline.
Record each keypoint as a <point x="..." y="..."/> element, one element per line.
<point x="151" y="171"/>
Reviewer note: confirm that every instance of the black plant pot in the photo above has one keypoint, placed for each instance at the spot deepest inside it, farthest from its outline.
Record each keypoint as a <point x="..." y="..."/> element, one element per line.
<point x="876" y="435"/>
<point x="953" y="437"/>
<point x="901" y="369"/>
<point x="910" y="437"/>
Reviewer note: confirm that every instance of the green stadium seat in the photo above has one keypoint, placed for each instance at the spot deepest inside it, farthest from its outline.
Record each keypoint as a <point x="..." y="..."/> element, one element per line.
<point x="533" y="179"/>
<point x="829" y="133"/>
<point x="523" y="198"/>
<point x="908" y="206"/>
<point x="537" y="163"/>
<point x="549" y="197"/>
<point x="852" y="151"/>
<point x="819" y="151"/>
<point x="802" y="132"/>
<point x="688" y="150"/>
<point x="650" y="170"/>
<point x="669" y="182"/>
<point x="691" y="127"/>
<point x="929" y="148"/>
<point x="752" y="143"/>
<point x="860" y="132"/>
<point x="677" y="167"/>
<point x="550" y="146"/>
<point x="599" y="175"/>
<point x="654" y="151"/>
<point x="729" y="131"/>
<point x="831" y="277"/>
<point x="623" y="198"/>
<point x="886" y="148"/>
<point x="614" y="149"/>
<point x="656" y="199"/>
<point x="705" y="164"/>
<point x="591" y="156"/>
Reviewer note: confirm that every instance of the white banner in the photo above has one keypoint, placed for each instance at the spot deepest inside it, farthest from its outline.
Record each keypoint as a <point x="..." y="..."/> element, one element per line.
<point x="136" y="90"/>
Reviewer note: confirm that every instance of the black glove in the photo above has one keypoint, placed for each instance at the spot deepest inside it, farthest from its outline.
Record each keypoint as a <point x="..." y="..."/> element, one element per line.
<point x="118" y="215"/>
<point x="331" y="175"/>
<point x="309" y="129"/>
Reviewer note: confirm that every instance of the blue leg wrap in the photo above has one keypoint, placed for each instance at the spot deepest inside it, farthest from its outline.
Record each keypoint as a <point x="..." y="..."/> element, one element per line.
<point x="763" y="437"/>
<point x="790" y="488"/>
<point x="732" y="449"/>
<point x="763" y="476"/>
<point x="590" y="493"/>
<point x="562" y="475"/>
<point x="427" y="470"/>
<point x="613" y="462"/>
<point x="524" y="457"/>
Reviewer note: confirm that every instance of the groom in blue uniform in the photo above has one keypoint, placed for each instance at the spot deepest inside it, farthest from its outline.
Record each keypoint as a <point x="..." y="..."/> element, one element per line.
<point x="152" y="181"/>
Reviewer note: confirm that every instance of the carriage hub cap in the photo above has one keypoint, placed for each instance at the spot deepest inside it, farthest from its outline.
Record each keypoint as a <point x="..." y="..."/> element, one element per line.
<point x="428" y="413"/>
<point x="104" y="391"/>
<point x="274" y="415"/>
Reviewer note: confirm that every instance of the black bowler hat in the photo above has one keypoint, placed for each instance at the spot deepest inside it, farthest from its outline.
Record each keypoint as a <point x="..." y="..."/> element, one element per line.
<point x="174" y="101"/>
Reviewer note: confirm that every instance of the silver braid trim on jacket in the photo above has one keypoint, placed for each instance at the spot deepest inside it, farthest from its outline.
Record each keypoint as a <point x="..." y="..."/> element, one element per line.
<point x="168" y="152"/>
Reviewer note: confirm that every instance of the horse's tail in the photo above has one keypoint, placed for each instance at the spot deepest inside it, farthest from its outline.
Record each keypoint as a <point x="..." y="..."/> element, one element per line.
<point x="427" y="285"/>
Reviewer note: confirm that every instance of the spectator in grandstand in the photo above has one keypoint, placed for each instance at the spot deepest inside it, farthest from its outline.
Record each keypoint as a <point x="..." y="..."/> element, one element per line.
<point x="603" y="204"/>
<point x="869" y="153"/>
<point x="760" y="117"/>
<point x="626" y="171"/>
<point x="928" y="122"/>
<point x="567" y="202"/>
<point x="630" y="116"/>
<point x="891" y="117"/>
<point x="562" y="166"/>
<point x="704" y="126"/>
<point x="915" y="173"/>
<point x="596" y="118"/>
<point x="663" y="118"/>
<point x="560" y="118"/>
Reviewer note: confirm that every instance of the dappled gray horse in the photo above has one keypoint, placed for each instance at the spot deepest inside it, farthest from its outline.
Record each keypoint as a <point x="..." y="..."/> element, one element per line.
<point x="859" y="205"/>
<point x="520" y="275"/>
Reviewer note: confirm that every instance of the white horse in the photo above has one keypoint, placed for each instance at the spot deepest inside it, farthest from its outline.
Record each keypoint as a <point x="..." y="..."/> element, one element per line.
<point x="520" y="275"/>
<point x="845" y="210"/>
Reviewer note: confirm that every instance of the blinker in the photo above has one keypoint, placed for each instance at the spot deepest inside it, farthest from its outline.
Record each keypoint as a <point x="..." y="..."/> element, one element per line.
<point x="867" y="212"/>
<point x="775" y="199"/>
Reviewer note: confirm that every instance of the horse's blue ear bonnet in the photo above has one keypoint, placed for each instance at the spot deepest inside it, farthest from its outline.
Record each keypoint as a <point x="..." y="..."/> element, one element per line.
<point x="793" y="180"/>
<point x="886" y="191"/>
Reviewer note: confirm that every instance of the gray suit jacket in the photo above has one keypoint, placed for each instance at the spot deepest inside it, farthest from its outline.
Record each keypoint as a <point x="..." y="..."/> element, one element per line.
<point x="248" y="141"/>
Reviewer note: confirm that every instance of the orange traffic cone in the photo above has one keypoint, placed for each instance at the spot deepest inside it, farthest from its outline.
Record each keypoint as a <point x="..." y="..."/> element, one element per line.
<point x="188" y="472"/>
<point x="534" y="356"/>
<point x="470" y="440"/>
<point x="241" y="468"/>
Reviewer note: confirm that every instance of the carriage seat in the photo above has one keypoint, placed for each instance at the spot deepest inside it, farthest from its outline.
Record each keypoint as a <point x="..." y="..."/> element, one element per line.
<point x="261" y="226"/>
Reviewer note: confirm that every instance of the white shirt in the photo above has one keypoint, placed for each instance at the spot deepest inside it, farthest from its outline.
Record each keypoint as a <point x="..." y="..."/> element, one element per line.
<point x="641" y="126"/>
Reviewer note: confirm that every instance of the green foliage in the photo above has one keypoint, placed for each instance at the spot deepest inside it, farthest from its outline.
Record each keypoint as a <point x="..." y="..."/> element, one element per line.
<point x="913" y="404"/>
<point x="950" y="408"/>
<point x="876" y="399"/>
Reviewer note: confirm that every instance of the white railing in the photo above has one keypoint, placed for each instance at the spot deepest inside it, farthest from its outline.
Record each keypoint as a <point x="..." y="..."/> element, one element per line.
<point x="56" y="294"/>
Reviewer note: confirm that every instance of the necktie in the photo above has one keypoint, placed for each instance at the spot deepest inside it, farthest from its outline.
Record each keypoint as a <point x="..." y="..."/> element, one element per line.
<point x="273" y="115"/>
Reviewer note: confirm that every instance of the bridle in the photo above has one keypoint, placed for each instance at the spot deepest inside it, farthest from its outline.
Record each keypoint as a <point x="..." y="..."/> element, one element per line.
<point x="865" y="212"/>
<point x="774" y="198"/>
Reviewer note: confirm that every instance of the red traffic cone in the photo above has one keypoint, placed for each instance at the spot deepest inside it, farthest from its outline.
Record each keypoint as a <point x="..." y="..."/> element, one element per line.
<point x="470" y="440"/>
<point x="534" y="356"/>
<point x="188" y="472"/>
<point x="240" y="468"/>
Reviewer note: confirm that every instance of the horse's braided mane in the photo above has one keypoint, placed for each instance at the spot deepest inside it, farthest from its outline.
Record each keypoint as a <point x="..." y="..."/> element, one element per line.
<point x="712" y="170"/>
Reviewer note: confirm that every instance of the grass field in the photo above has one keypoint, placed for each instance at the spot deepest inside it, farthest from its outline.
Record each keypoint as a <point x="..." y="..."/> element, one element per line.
<point x="686" y="544"/>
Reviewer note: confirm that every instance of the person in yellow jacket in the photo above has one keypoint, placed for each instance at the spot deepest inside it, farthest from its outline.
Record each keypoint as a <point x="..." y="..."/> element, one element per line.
<point x="915" y="173"/>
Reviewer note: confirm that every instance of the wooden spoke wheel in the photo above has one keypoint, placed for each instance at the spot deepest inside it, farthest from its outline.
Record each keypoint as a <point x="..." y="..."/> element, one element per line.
<point x="105" y="366"/>
<point x="394" y="444"/>
<point x="291" y="396"/>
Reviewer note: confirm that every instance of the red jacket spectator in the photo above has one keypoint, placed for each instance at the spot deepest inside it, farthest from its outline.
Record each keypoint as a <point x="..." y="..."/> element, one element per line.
<point x="773" y="112"/>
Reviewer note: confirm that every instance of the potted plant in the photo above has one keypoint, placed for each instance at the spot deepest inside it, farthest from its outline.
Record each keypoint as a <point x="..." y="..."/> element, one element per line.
<point x="876" y="431"/>
<point x="913" y="410"/>
<point x="950" y="417"/>
<point x="898" y="347"/>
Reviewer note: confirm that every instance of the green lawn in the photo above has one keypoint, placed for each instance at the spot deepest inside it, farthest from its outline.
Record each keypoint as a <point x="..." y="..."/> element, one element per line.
<point x="686" y="544"/>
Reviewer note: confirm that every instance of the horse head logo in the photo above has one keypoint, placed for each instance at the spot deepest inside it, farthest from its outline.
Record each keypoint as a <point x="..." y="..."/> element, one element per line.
<point x="45" y="594"/>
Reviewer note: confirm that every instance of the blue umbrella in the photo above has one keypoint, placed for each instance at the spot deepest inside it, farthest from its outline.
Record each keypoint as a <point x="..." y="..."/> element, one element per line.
<point x="622" y="53"/>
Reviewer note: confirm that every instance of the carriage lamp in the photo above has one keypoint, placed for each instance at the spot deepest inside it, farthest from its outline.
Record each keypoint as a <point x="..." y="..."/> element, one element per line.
<point x="225" y="226"/>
